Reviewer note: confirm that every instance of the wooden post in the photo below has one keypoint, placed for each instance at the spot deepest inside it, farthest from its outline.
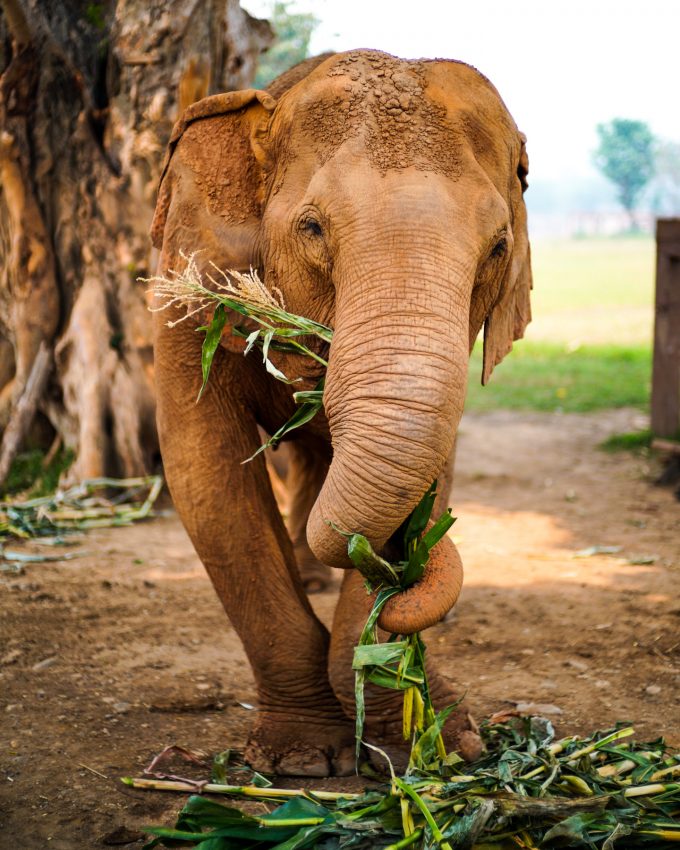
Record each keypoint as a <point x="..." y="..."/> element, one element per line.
<point x="666" y="369"/>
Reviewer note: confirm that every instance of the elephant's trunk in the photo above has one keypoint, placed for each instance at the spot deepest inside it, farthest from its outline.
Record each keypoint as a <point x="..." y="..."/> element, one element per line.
<point x="427" y="601"/>
<point x="394" y="395"/>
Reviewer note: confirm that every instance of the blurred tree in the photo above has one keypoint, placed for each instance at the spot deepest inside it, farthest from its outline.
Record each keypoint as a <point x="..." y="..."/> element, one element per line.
<point x="292" y="33"/>
<point x="89" y="92"/>
<point x="665" y="188"/>
<point x="626" y="157"/>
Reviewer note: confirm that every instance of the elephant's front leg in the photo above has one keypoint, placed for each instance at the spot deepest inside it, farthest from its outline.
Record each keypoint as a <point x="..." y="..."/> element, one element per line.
<point x="383" y="726"/>
<point x="231" y="515"/>
<point x="306" y="473"/>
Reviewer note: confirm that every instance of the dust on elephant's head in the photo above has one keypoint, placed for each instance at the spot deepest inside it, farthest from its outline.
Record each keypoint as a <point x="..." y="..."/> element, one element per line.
<point x="382" y="197"/>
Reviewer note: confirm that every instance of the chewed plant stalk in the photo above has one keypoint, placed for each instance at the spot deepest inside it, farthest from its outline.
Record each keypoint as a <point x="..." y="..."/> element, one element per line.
<point x="396" y="664"/>
<point x="246" y="295"/>
<point x="527" y="791"/>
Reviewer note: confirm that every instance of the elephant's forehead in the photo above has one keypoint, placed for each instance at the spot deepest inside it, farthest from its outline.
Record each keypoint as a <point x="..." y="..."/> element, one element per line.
<point x="388" y="105"/>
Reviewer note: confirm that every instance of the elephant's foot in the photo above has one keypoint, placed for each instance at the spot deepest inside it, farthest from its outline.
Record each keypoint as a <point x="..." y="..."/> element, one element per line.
<point x="295" y="746"/>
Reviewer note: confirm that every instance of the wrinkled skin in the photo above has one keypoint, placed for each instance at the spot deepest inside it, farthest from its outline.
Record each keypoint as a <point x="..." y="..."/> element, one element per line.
<point x="382" y="198"/>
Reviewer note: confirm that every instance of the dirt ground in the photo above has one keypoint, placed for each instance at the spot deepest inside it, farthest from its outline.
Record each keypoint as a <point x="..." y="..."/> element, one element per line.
<point x="106" y="659"/>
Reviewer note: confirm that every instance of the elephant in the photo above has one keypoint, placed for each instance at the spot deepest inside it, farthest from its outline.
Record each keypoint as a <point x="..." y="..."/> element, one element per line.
<point x="383" y="198"/>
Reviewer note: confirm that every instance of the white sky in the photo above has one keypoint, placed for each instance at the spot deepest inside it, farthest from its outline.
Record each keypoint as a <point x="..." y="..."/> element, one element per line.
<point x="562" y="66"/>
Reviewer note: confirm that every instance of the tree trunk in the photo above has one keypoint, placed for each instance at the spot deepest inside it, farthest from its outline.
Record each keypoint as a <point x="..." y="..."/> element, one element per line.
<point x="89" y="93"/>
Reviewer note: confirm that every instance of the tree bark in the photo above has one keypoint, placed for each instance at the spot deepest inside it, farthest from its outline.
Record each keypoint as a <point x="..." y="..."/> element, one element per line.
<point x="24" y="410"/>
<point x="89" y="93"/>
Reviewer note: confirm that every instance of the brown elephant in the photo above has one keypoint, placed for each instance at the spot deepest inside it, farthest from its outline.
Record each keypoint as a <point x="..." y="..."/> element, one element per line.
<point x="382" y="198"/>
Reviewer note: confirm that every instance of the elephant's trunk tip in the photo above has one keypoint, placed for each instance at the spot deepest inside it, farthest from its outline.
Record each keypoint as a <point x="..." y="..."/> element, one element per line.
<point x="427" y="602"/>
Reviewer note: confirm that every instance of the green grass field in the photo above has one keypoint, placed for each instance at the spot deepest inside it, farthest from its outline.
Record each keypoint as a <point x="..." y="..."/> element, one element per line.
<point x="589" y="344"/>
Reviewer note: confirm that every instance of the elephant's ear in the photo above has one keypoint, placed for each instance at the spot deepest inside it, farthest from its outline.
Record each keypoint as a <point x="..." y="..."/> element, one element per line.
<point x="212" y="187"/>
<point x="511" y="313"/>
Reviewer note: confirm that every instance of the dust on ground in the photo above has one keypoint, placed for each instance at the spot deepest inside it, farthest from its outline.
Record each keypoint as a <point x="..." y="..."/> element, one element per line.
<point x="106" y="659"/>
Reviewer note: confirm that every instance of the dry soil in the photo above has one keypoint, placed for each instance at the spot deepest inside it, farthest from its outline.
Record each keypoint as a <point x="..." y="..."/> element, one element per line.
<point x="106" y="659"/>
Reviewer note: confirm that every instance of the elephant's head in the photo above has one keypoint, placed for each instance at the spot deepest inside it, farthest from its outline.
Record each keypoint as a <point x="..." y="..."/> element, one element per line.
<point x="383" y="198"/>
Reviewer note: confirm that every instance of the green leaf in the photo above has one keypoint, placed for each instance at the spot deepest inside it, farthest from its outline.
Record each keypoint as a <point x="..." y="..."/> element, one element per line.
<point x="366" y="638"/>
<point x="417" y="521"/>
<point x="372" y="567"/>
<point x="297" y="807"/>
<point x="306" y="837"/>
<point x="439" y="529"/>
<point x="469" y="825"/>
<point x="360" y="708"/>
<point x="427" y="814"/>
<point x="260" y="781"/>
<point x="251" y="339"/>
<point x="377" y="653"/>
<point x="210" y="343"/>
<point x="414" y="569"/>
<point x="219" y="767"/>
<point x="572" y="830"/>
<point x="303" y="396"/>
<point x="420" y="555"/>
<point x="387" y="678"/>
<point x="304" y="414"/>
<point x="269" y="366"/>
<point x="424" y="749"/>
<point x="208" y="813"/>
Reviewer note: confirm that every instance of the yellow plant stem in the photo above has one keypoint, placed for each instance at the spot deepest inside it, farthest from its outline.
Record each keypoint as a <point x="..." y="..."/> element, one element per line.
<point x="406" y="817"/>
<point x="407" y="713"/>
<point x="236" y="790"/>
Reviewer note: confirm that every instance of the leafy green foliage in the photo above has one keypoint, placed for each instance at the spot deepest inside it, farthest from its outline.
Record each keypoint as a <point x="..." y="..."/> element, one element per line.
<point x="279" y="331"/>
<point x="213" y="334"/>
<point x="399" y="665"/>
<point x="28" y="474"/>
<point x="665" y="188"/>
<point x="83" y="506"/>
<point x="293" y="32"/>
<point x="376" y="570"/>
<point x="625" y="156"/>
<point x="603" y="792"/>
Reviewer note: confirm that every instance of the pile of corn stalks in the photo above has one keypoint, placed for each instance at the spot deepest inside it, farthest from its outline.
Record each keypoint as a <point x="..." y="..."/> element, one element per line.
<point x="90" y="504"/>
<point x="526" y="791"/>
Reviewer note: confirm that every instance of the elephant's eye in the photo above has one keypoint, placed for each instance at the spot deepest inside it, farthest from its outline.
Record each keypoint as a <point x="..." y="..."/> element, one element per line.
<point x="311" y="227"/>
<point x="500" y="247"/>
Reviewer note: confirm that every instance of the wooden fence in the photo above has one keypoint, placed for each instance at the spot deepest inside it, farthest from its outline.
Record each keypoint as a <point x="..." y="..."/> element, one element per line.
<point x="666" y="368"/>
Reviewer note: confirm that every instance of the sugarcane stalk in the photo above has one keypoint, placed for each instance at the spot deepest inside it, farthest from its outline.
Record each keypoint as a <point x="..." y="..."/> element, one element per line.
<point x="666" y="834"/>
<point x="579" y="784"/>
<point x="426" y="813"/>
<point x="290" y="822"/>
<point x="558" y="747"/>
<point x="596" y="745"/>
<point x="235" y="790"/>
<point x="407" y="841"/>
<point x="572" y="758"/>
<point x="652" y="788"/>
<point x="667" y="771"/>
<point x="619" y="769"/>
